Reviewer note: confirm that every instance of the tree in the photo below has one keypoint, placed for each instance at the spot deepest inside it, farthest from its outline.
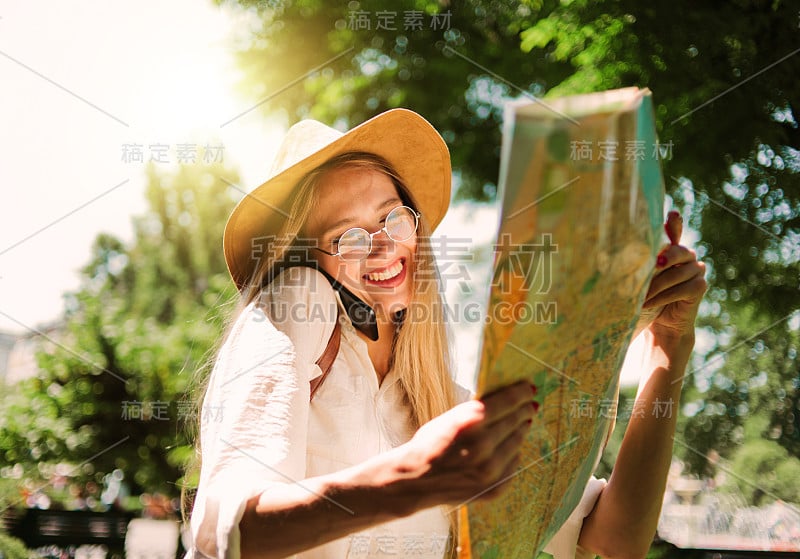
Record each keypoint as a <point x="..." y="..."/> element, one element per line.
<point x="770" y="464"/>
<point x="723" y="77"/>
<point x="743" y="393"/>
<point x="112" y="393"/>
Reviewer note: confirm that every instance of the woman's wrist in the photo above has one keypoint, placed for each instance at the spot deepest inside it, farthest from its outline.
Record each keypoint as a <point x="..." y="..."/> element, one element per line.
<point x="382" y="488"/>
<point x="670" y="340"/>
<point x="669" y="350"/>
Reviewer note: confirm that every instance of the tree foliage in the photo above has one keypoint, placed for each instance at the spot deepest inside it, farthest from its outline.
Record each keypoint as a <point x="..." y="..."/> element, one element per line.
<point x="112" y="393"/>
<point x="765" y="472"/>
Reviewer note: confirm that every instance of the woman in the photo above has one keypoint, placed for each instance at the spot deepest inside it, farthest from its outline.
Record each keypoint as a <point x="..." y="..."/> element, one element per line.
<point x="367" y="457"/>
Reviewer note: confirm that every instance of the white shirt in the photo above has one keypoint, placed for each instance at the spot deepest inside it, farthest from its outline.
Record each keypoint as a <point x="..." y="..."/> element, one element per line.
<point x="258" y="429"/>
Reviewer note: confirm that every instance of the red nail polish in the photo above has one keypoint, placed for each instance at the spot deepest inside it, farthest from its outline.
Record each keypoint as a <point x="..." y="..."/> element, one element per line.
<point x="661" y="261"/>
<point x="529" y="421"/>
<point x="534" y="389"/>
<point x="535" y="406"/>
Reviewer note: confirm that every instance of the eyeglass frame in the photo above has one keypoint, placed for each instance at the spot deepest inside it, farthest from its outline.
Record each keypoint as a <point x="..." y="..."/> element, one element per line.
<point x="414" y="212"/>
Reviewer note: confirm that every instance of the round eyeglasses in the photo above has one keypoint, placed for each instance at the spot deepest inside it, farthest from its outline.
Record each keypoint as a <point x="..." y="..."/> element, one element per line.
<point x="356" y="243"/>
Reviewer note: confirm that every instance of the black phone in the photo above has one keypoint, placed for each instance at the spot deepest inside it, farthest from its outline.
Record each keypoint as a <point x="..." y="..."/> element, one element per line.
<point x="360" y="314"/>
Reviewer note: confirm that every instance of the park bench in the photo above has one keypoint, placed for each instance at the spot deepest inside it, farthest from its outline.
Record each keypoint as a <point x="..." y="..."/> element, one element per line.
<point x="63" y="528"/>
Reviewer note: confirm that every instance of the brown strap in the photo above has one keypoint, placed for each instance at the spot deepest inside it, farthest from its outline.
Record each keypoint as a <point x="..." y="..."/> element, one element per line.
<point x="325" y="361"/>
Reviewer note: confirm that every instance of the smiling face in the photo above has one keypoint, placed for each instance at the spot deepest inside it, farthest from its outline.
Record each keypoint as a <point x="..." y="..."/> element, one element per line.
<point x="350" y="197"/>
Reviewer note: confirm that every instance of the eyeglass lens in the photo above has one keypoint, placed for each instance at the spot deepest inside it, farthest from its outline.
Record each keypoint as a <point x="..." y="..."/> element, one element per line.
<point x="356" y="244"/>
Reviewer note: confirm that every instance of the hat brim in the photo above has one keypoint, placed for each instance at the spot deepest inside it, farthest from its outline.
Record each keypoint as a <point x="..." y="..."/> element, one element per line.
<point x="400" y="136"/>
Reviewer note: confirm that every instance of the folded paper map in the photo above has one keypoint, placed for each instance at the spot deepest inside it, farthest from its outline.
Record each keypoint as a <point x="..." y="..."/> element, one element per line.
<point x="582" y="204"/>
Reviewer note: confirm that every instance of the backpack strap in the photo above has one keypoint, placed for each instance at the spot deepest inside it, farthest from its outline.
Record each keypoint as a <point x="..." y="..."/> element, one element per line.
<point x="325" y="361"/>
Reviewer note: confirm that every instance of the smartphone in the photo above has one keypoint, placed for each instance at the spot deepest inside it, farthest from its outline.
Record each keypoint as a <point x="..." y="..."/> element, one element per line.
<point x="361" y="314"/>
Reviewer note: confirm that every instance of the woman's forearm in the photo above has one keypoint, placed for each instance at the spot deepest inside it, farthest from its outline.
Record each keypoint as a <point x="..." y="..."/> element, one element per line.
<point x="625" y="518"/>
<point x="321" y="509"/>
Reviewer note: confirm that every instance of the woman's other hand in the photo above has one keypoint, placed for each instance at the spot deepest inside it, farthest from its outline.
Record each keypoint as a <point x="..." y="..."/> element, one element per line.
<point x="678" y="285"/>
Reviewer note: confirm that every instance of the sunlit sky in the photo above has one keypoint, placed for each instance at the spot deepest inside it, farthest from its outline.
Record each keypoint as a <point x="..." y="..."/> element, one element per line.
<point x="84" y="81"/>
<point x="81" y="81"/>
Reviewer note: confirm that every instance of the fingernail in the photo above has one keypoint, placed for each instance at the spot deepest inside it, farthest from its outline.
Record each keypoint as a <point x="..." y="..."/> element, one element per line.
<point x="529" y="421"/>
<point x="534" y="389"/>
<point x="535" y="405"/>
<point x="661" y="261"/>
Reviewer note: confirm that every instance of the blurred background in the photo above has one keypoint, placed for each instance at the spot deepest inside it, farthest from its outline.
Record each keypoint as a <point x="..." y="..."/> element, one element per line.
<point x="129" y="131"/>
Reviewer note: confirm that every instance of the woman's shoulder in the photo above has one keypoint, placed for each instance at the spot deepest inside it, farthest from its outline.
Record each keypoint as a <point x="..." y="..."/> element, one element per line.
<point x="290" y="322"/>
<point x="301" y="303"/>
<point x="303" y="286"/>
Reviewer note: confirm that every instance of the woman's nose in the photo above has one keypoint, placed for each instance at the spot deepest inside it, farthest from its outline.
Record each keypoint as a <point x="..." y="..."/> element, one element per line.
<point x="381" y="242"/>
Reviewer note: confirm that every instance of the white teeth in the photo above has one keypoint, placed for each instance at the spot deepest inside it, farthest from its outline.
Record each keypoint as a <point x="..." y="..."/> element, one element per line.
<point x="389" y="273"/>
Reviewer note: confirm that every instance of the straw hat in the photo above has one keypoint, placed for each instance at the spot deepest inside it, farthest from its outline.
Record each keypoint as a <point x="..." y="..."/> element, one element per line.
<point x="402" y="137"/>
